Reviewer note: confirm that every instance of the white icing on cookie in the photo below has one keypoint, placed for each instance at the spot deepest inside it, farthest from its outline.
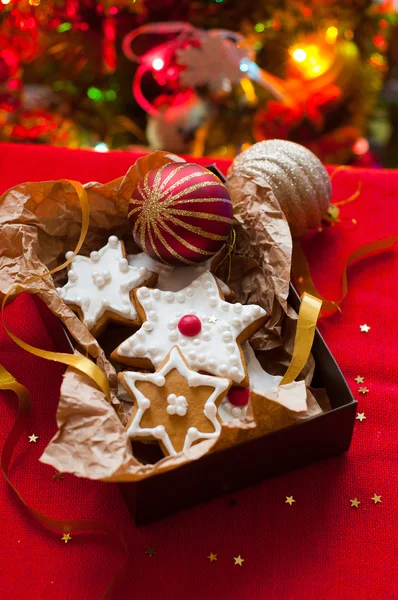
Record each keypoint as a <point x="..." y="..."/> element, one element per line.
<point x="174" y="279"/>
<point x="175" y="361"/>
<point x="102" y="283"/>
<point x="216" y="339"/>
<point x="228" y="411"/>
<point x="264" y="384"/>
<point x="259" y="382"/>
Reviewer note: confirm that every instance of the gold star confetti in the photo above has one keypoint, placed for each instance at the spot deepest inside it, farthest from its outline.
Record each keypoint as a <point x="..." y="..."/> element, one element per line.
<point x="376" y="498"/>
<point x="150" y="552"/>
<point x="239" y="560"/>
<point x="360" y="417"/>
<point x="364" y="328"/>
<point x="66" y="537"/>
<point x="289" y="500"/>
<point x="359" y="379"/>
<point x="33" y="438"/>
<point x="355" y="503"/>
<point x="212" y="557"/>
<point x="213" y="319"/>
<point x="58" y="476"/>
<point x="363" y="390"/>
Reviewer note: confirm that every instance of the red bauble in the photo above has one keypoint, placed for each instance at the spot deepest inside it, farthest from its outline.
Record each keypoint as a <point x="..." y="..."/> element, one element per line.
<point x="180" y="214"/>
<point x="189" y="325"/>
<point x="239" y="396"/>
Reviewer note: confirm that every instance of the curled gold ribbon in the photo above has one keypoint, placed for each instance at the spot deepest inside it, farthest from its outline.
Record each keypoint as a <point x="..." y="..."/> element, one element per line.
<point x="353" y="196"/>
<point x="306" y="326"/>
<point x="302" y="275"/>
<point x="8" y="382"/>
<point x="81" y="363"/>
<point x="333" y="211"/>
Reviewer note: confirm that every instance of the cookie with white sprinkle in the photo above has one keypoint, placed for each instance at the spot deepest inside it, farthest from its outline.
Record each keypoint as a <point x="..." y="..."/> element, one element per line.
<point x="208" y="330"/>
<point x="100" y="287"/>
<point x="175" y="405"/>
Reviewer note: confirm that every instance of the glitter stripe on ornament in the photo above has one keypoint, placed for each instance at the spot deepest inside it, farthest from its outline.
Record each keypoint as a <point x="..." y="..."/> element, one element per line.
<point x="171" y="175"/>
<point x="178" y="183"/>
<point x="202" y="215"/>
<point x="184" y="241"/>
<point x="153" y="246"/>
<point x="190" y="190"/>
<point x="184" y="201"/>
<point x="147" y="190"/>
<point x="196" y="200"/>
<point x="133" y="210"/>
<point x="198" y="230"/>
<point x="170" y="249"/>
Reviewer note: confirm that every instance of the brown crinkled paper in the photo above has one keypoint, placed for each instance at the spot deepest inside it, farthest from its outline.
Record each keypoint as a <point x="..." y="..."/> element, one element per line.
<point x="40" y="222"/>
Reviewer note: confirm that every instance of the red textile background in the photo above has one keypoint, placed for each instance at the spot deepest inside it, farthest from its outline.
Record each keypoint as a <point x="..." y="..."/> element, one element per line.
<point x="317" y="549"/>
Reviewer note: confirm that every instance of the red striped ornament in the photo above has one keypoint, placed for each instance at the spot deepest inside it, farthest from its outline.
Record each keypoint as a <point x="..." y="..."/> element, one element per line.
<point x="180" y="214"/>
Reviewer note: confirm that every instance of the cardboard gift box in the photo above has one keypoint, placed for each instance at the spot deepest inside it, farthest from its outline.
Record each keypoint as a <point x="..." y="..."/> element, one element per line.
<point x="251" y="462"/>
<point x="248" y="463"/>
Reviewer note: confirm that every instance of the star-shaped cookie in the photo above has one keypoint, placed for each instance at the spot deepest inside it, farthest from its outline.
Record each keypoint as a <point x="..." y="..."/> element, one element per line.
<point x="208" y="330"/>
<point x="174" y="405"/>
<point x="101" y="287"/>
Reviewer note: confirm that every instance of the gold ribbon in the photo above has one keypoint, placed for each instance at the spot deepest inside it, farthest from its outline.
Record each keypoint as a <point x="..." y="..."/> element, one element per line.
<point x="8" y="382"/>
<point x="306" y="327"/>
<point x="333" y="211"/>
<point x="81" y="363"/>
<point x="353" y="196"/>
<point x="302" y="275"/>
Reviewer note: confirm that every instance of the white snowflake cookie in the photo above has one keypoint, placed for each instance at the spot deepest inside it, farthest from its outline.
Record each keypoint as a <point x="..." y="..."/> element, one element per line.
<point x="208" y="330"/>
<point x="100" y="287"/>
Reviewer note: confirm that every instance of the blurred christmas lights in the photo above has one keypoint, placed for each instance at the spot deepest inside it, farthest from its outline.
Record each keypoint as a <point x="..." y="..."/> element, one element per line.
<point x="101" y="147"/>
<point x="158" y="64"/>
<point x="311" y="60"/>
<point x="299" y="55"/>
<point x="361" y="146"/>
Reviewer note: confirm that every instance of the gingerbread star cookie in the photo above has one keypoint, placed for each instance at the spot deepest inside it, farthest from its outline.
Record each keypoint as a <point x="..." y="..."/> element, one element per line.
<point x="100" y="287"/>
<point x="208" y="330"/>
<point x="175" y="405"/>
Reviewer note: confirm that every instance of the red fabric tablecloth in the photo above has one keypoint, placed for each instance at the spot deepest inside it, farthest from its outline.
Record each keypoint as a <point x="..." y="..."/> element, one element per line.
<point x="317" y="549"/>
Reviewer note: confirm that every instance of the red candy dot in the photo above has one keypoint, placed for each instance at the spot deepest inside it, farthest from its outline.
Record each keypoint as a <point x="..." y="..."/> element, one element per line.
<point x="239" y="396"/>
<point x="189" y="325"/>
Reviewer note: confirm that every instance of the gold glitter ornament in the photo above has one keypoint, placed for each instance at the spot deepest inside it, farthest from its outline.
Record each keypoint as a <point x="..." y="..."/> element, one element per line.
<point x="296" y="176"/>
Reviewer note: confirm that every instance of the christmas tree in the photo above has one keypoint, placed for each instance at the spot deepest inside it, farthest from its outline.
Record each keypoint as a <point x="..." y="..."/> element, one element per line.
<point x="204" y="77"/>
